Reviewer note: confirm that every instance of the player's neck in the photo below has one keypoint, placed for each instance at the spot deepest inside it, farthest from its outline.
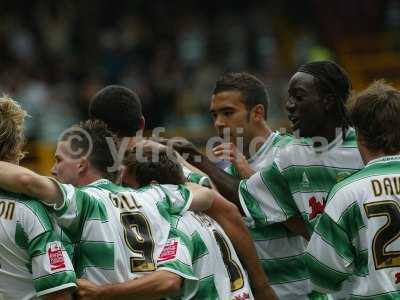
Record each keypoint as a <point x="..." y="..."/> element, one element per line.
<point x="89" y="177"/>
<point x="262" y="133"/>
<point x="331" y="130"/>
<point x="368" y="155"/>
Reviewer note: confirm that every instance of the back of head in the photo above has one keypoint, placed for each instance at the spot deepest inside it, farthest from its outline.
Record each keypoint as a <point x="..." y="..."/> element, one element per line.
<point x="147" y="165"/>
<point x="91" y="139"/>
<point x="375" y="113"/>
<point x="12" y="118"/>
<point x="251" y="88"/>
<point x="119" y="107"/>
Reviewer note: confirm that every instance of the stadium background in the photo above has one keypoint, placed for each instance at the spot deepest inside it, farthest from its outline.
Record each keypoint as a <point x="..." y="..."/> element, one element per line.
<point x="56" y="54"/>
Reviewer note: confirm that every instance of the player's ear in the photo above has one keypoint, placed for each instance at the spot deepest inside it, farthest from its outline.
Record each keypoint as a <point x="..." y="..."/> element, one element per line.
<point x="83" y="165"/>
<point x="257" y="113"/>
<point x="123" y="175"/>
<point x="329" y="102"/>
<point x="120" y="174"/>
<point x="142" y="123"/>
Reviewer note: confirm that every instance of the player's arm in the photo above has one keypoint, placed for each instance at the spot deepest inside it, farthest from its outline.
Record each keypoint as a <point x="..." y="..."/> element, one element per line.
<point x="229" y="185"/>
<point x="202" y="197"/>
<point x="52" y="271"/>
<point x="266" y="199"/>
<point x="157" y="285"/>
<point x="173" y="277"/>
<point x="228" y="216"/>
<point x="21" y="180"/>
<point x="63" y="295"/>
<point x="63" y="197"/>
<point x="226" y="184"/>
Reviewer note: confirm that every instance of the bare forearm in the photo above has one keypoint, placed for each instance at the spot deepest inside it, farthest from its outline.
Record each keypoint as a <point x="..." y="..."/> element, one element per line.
<point x="13" y="176"/>
<point x="202" y="197"/>
<point x="298" y="226"/>
<point x="62" y="295"/>
<point x="155" y="286"/>
<point x="226" y="184"/>
<point x="21" y="180"/>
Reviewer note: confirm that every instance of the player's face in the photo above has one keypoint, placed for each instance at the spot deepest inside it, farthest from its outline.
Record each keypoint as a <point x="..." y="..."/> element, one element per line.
<point x="229" y="112"/>
<point x="65" y="168"/>
<point x="304" y="106"/>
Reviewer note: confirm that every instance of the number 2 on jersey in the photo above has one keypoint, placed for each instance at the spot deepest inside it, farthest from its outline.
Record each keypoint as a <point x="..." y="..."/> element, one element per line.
<point x="387" y="234"/>
<point x="235" y="274"/>
<point x="139" y="240"/>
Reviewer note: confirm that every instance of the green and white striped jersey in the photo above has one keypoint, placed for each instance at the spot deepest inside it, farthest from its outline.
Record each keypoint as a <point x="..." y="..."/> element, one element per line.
<point x="282" y="253"/>
<point x="33" y="261"/>
<point x="358" y="234"/>
<point x="176" y="258"/>
<point x="120" y="232"/>
<point x="299" y="180"/>
<point x="214" y="259"/>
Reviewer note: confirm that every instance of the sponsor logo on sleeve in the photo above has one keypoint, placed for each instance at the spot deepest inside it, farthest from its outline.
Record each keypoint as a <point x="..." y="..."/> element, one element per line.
<point x="243" y="296"/>
<point x="56" y="257"/>
<point x="169" y="251"/>
<point x="397" y="277"/>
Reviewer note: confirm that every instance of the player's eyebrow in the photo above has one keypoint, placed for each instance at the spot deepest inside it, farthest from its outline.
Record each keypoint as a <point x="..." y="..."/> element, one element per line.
<point x="297" y="89"/>
<point x="221" y="109"/>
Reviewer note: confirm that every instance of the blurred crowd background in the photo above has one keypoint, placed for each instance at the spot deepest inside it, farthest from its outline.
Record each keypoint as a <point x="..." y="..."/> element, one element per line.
<point x="56" y="54"/>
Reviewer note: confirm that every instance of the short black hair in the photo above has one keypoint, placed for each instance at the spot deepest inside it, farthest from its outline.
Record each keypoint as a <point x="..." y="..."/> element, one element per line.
<point x="147" y="167"/>
<point x="252" y="89"/>
<point x="119" y="107"/>
<point x="89" y="138"/>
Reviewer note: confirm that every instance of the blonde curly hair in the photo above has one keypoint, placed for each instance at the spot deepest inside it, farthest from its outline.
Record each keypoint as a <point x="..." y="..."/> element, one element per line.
<point x="12" y="138"/>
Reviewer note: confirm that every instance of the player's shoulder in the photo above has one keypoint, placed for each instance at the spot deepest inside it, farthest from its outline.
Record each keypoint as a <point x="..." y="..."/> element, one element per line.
<point x="103" y="184"/>
<point x="369" y="172"/>
<point x="25" y="210"/>
<point x="288" y="143"/>
<point x="169" y="189"/>
<point x="185" y="222"/>
<point x="282" y="139"/>
<point x="346" y="184"/>
<point x="290" y="151"/>
<point x="159" y="192"/>
<point x="22" y="201"/>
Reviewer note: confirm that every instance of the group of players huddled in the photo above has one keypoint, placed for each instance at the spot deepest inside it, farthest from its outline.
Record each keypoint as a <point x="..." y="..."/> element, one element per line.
<point x="309" y="215"/>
